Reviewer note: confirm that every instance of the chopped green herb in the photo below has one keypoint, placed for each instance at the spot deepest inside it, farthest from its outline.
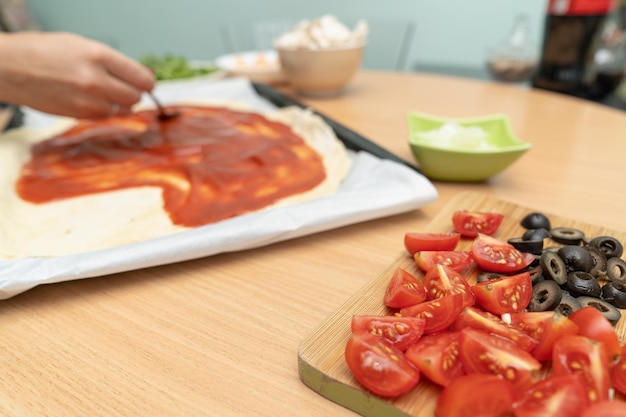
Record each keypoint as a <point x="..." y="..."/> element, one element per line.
<point x="174" y="67"/>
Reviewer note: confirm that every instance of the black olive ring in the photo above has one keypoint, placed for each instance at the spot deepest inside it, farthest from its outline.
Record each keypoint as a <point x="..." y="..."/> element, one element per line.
<point x="567" y="235"/>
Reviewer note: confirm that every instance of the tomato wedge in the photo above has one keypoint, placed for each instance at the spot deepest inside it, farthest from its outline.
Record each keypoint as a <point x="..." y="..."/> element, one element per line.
<point x="457" y="260"/>
<point x="606" y="409"/>
<point x="490" y="323"/>
<point x="485" y="353"/>
<point x="476" y="395"/>
<point x="400" y="332"/>
<point x="592" y="324"/>
<point x="574" y="354"/>
<point x="404" y="290"/>
<point x="437" y="357"/>
<point x="493" y="255"/>
<point x="545" y="327"/>
<point x="441" y="280"/>
<point x="618" y="374"/>
<point x="378" y="366"/>
<point x="555" y="396"/>
<point x="417" y="242"/>
<point x="471" y="223"/>
<point x="508" y="294"/>
<point x="439" y="314"/>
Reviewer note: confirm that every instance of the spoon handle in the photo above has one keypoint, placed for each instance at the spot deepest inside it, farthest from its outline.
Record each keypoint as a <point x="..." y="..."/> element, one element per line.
<point x="163" y="114"/>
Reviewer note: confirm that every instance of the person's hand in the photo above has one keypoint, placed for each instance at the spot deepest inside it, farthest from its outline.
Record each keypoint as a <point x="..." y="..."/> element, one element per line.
<point x="68" y="75"/>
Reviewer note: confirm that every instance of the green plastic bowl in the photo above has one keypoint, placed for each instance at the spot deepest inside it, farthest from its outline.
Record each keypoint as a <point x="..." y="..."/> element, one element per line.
<point x="461" y="164"/>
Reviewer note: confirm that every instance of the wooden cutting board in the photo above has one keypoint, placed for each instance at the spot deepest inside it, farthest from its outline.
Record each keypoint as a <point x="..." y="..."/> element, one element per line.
<point x="321" y="363"/>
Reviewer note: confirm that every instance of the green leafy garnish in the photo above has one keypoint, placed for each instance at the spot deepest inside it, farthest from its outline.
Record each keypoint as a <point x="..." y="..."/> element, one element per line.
<point x="174" y="67"/>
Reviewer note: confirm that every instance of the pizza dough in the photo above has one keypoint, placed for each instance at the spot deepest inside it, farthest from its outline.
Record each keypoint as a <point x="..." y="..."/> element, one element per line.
<point x="114" y="218"/>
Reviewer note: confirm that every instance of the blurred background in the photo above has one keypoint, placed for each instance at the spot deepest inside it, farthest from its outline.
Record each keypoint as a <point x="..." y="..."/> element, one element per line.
<point x="452" y="37"/>
<point x="445" y="33"/>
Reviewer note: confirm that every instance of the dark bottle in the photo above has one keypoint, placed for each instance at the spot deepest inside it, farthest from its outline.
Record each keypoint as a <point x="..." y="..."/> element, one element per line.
<point x="582" y="53"/>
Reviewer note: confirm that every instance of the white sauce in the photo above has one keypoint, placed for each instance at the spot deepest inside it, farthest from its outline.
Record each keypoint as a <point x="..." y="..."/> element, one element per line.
<point x="455" y="136"/>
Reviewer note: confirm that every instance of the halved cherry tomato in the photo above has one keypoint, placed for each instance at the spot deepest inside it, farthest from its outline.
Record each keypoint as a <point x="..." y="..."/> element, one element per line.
<point x="441" y="280"/>
<point x="618" y="374"/>
<point x="504" y="295"/>
<point x="476" y="395"/>
<point x="439" y="314"/>
<point x="592" y="324"/>
<point x="400" y="332"/>
<point x="471" y="223"/>
<point x="546" y="327"/>
<point x="416" y="242"/>
<point x="574" y="354"/>
<point x="555" y="396"/>
<point x="457" y="260"/>
<point x="437" y="357"/>
<point x="404" y="290"/>
<point x="490" y="323"/>
<point x="606" y="409"/>
<point x="494" y="255"/>
<point x="378" y="366"/>
<point x="486" y="353"/>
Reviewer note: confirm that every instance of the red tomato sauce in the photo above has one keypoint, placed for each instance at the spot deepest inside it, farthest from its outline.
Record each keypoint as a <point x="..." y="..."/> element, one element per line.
<point x="211" y="163"/>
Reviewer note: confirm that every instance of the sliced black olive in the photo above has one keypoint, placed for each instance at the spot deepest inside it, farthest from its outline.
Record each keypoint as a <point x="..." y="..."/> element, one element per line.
<point x="616" y="270"/>
<point x="536" y="234"/>
<point x="528" y="246"/>
<point x="536" y="273"/>
<point x="598" y="269"/>
<point x="567" y="235"/>
<point x="583" y="283"/>
<point x="576" y="258"/>
<point x="615" y="293"/>
<point x="546" y="296"/>
<point x="567" y="305"/>
<point x="610" y="246"/>
<point x="487" y="276"/>
<point x="536" y="221"/>
<point x="609" y="311"/>
<point x="553" y="267"/>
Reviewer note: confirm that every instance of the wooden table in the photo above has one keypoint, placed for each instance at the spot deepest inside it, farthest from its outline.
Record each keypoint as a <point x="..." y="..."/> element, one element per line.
<point x="219" y="336"/>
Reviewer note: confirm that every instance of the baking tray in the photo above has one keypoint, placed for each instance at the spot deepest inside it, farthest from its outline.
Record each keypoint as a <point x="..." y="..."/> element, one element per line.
<point x="373" y="188"/>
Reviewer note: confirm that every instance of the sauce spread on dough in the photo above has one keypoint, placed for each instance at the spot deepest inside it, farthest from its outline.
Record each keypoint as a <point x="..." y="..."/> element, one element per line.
<point x="212" y="163"/>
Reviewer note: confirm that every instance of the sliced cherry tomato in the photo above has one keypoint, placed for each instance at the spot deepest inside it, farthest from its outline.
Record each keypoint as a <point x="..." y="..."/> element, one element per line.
<point x="606" y="409"/>
<point x="457" y="260"/>
<point x="618" y="374"/>
<point x="546" y="327"/>
<point x="555" y="396"/>
<point x="476" y="395"/>
<point x="400" y="332"/>
<point x="490" y="323"/>
<point x="471" y="223"/>
<point x="441" y="280"/>
<point x="508" y="294"/>
<point x="417" y="242"/>
<point x="437" y="357"/>
<point x="575" y="354"/>
<point x="439" y="314"/>
<point x="594" y="325"/>
<point x="404" y="290"/>
<point x="486" y="353"/>
<point x="378" y="366"/>
<point x="494" y="255"/>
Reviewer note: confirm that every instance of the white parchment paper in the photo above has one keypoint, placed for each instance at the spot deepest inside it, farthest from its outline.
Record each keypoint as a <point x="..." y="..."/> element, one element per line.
<point x="374" y="188"/>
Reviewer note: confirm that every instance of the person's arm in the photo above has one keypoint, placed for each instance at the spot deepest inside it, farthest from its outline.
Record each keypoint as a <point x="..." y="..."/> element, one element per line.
<point x="65" y="74"/>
